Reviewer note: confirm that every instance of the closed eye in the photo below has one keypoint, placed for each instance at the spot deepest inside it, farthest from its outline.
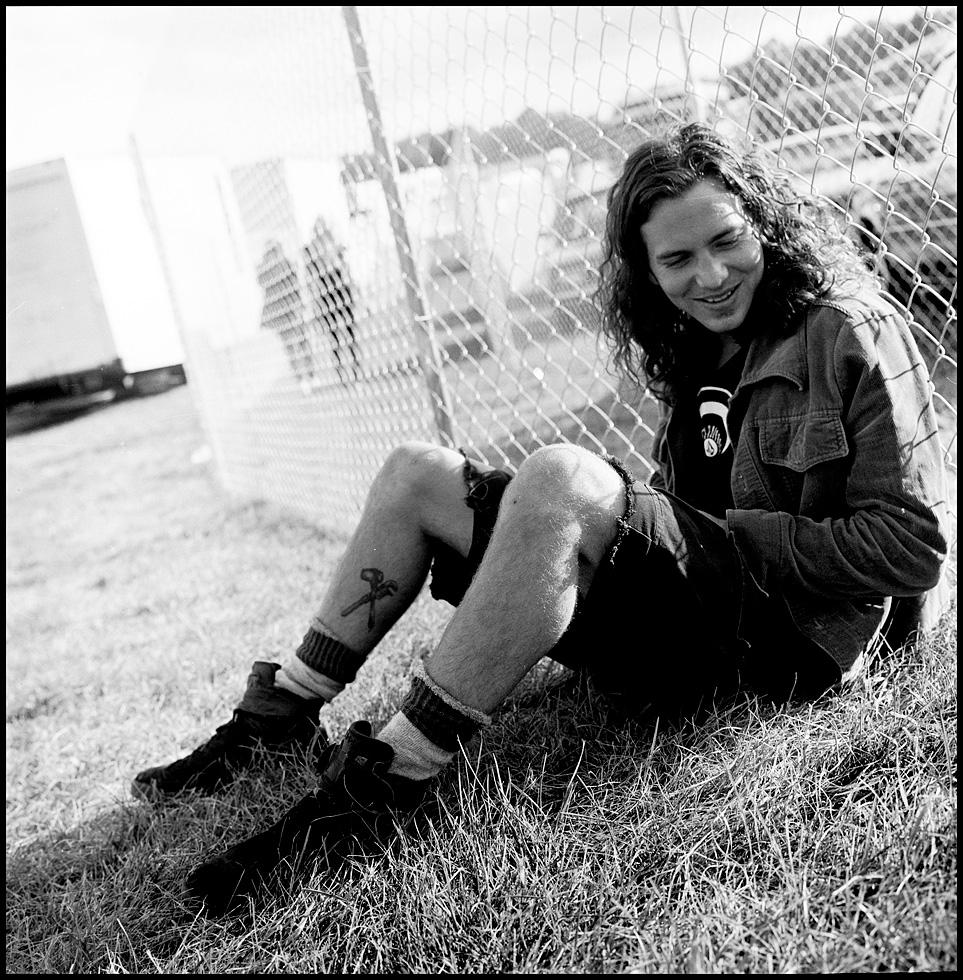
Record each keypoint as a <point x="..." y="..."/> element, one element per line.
<point x="674" y="260"/>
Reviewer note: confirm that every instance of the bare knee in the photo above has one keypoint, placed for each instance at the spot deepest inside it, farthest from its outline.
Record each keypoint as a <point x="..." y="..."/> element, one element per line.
<point x="570" y="474"/>
<point x="423" y="483"/>
<point x="412" y="468"/>
<point x="564" y="482"/>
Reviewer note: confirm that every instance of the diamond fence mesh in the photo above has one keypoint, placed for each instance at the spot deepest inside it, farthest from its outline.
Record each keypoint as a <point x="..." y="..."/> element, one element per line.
<point x="383" y="224"/>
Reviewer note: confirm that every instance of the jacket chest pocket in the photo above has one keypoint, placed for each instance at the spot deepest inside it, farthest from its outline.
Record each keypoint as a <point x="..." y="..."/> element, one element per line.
<point x="789" y="448"/>
<point x="800" y="442"/>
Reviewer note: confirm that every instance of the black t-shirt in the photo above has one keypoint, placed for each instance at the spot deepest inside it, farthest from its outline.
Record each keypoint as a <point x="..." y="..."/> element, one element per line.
<point x="702" y="445"/>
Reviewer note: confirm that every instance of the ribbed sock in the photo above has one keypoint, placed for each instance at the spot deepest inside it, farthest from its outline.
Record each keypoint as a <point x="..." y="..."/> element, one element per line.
<point x="320" y="667"/>
<point x="427" y="730"/>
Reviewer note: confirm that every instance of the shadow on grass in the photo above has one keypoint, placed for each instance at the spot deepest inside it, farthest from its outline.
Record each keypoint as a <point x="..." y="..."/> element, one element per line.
<point x="110" y="889"/>
<point x="71" y="895"/>
<point x="561" y="726"/>
<point x="112" y="885"/>
<point x="107" y="894"/>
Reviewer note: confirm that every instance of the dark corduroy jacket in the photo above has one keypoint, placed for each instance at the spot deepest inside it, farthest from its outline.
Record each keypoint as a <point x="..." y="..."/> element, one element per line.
<point x="838" y="479"/>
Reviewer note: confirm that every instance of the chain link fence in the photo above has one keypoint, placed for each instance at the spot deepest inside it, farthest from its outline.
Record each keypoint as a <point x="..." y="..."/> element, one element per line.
<point x="383" y="224"/>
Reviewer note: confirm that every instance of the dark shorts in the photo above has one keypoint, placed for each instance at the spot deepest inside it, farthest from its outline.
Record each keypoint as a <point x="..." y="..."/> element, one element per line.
<point x="667" y="625"/>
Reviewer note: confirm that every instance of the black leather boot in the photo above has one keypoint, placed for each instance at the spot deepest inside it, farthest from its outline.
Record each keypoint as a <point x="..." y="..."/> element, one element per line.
<point x="355" y="808"/>
<point x="267" y="716"/>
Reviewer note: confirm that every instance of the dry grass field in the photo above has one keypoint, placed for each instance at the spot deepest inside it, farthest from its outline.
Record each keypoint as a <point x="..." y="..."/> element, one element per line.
<point x="806" y="840"/>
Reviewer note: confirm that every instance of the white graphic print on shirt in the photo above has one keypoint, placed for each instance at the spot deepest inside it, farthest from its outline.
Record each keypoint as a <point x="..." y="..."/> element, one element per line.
<point x="713" y="413"/>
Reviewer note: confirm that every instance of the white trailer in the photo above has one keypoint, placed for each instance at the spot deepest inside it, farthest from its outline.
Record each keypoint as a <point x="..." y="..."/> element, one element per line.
<point x="88" y="304"/>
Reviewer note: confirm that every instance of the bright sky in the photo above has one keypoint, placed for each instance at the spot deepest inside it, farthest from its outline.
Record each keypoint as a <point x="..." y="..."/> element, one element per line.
<point x="253" y="81"/>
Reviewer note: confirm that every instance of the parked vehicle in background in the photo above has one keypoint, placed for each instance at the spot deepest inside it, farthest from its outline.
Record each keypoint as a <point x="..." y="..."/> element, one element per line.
<point x="835" y="159"/>
<point x="892" y="175"/>
<point x="910" y="229"/>
<point x="908" y="221"/>
<point x="897" y="187"/>
<point x="88" y="309"/>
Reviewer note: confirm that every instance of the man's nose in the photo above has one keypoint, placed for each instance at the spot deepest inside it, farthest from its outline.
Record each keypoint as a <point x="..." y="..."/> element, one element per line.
<point x="711" y="272"/>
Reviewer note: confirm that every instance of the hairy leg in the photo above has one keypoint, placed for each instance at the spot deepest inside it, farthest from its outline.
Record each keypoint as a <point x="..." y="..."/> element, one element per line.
<point x="418" y="496"/>
<point x="557" y="521"/>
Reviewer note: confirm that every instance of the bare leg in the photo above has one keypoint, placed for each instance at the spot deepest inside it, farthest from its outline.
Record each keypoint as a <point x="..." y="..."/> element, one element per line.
<point x="556" y="523"/>
<point x="557" y="520"/>
<point x="418" y="496"/>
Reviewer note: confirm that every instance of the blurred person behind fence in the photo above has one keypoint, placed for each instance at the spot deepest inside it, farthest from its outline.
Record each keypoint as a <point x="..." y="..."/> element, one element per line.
<point x="332" y="298"/>
<point x="796" y="520"/>
<point x="283" y="309"/>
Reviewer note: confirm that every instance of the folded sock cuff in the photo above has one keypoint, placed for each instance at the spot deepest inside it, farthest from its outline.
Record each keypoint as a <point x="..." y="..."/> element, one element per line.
<point x="296" y="676"/>
<point x="440" y="717"/>
<point x="327" y="655"/>
<point x="416" y="756"/>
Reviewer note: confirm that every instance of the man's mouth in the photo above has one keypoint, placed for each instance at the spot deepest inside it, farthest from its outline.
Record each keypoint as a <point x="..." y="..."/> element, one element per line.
<point x="720" y="298"/>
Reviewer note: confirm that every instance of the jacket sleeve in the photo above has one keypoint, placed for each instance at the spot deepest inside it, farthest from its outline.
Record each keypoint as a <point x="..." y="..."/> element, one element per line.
<point x="658" y="479"/>
<point x="890" y="538"/>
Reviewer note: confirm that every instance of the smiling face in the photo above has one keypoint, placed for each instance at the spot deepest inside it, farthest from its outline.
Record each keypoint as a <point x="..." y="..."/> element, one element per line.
<point x="705" y="255"/>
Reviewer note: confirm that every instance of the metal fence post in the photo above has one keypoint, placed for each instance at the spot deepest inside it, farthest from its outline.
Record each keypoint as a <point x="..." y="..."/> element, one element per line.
<point x="387" y="164"/>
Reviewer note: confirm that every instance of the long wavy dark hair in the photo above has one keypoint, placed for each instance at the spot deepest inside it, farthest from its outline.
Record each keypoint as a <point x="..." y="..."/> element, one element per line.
<point x="805" y="253"/>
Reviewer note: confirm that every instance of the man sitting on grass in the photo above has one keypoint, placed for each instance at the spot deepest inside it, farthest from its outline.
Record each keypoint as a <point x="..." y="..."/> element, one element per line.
<point x="797" y="517"/>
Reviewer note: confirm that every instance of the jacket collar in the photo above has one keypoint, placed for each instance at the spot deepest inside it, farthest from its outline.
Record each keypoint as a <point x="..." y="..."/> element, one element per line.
<point x="781" y="357"/>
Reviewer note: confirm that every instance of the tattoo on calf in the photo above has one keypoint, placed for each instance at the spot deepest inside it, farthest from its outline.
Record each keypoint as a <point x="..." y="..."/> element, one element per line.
<point x="378" y="587"/>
